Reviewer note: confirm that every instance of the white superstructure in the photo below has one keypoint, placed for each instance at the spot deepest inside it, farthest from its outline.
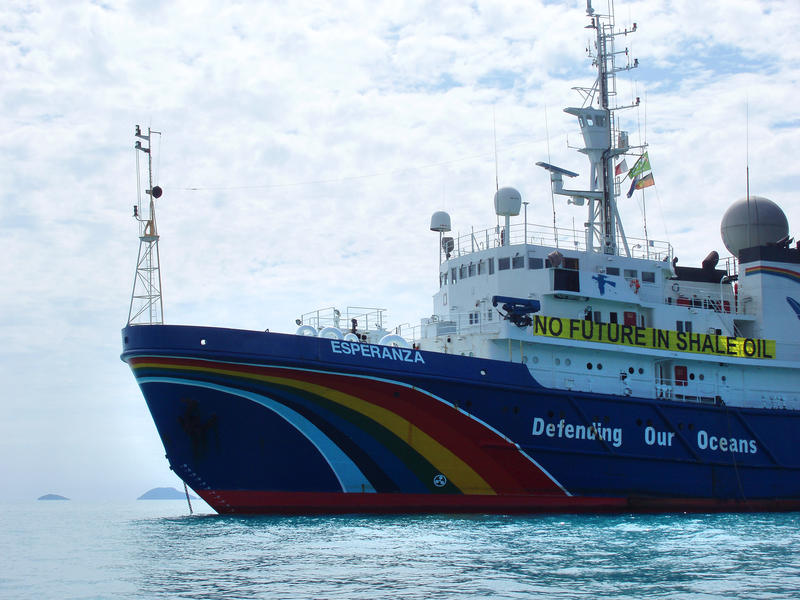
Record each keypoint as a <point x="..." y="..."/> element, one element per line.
<point x="613" y="315"/>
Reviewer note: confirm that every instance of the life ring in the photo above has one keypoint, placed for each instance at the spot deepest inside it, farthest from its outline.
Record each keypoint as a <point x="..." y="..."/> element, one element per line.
<point x="676" y="287"/>
<point x="635" y="285"/>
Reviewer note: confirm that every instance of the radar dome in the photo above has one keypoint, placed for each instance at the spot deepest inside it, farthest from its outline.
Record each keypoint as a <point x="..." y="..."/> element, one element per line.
<point x="507" y="202"/>
<point x="440" y="221"/>
<point x="756" y="222"/>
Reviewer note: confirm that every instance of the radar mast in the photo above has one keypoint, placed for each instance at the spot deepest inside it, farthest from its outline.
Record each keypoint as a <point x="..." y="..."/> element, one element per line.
<point x="604" y="232"/>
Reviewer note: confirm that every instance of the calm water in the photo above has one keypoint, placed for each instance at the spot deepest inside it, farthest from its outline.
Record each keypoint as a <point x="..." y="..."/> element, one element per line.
<point x="155" y="550"/>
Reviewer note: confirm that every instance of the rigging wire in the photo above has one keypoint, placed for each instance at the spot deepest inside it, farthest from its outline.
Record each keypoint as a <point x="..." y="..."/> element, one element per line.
<point x="199" y="188"/>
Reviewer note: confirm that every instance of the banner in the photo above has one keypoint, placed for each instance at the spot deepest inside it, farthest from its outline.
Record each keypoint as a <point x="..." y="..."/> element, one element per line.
<point x="648" y="337"/>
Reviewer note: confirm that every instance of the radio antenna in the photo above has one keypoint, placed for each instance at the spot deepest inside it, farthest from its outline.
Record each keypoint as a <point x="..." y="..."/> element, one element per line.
<point x="146" y="306"/>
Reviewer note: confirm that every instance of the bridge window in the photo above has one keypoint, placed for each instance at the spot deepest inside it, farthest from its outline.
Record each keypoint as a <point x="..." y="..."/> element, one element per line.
<point x="631" y="273"/>
<point x="535" y="263"/>
<point x="648" y="277"/>
<point x="491" y="266"/>
<point x="462" y="274"/>
<point x="518" y="262"/>
<point x="471" y="269"/>
<point x="503" y="264"/>
<point x="453" y="272"/>
<point x="612" y="271"/>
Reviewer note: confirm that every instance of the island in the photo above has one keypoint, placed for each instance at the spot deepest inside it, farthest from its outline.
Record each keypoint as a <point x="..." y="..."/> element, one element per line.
<point x="164" y="493"/>
<point x="52" y="497"/>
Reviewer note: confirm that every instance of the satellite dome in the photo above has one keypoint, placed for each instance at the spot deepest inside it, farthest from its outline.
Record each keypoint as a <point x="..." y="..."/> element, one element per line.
<point x="440" y="221"/>
<point x="764" y="223"/>
<point x="507" y="202"/>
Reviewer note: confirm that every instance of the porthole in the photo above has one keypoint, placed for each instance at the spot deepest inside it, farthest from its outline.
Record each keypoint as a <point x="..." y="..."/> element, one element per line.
<point x="630" y="370"/>
<point x="691" y="376"/>
<point x="599" y="366"/>
<point x="483" y="373"/>
<point x="724" y="379"/>
<point x="202" y="342"/>
<point x="557" y="361"/>
<point x="567" y="362"/>
<point x="701" y="376"/>
<point x="589" y="366"/>
<point x="641" y="371"/>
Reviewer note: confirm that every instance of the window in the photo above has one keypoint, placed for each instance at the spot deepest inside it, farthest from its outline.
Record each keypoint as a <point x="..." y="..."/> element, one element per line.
<point x="453" y="273"/>
<point x="518" y="262"/>
<point x="648" y="277"/>
<point x="630" y="318"/>
<point x="612" y="317"/>
<point x="598" y="317"/>
<point x="491" y="266"/>
<point x="462" y="272"/>
<point x="571" y="263"/>
<point x="503" y="264"/>
<point x="471" y="271"/>
<point x="631" y="273"/>
<point x="535" y="263"/>
<point x="612" y="271"/>
<point x="474" y="317"/>
<point x="481" y="268"/>
<point x="489" y="314"/>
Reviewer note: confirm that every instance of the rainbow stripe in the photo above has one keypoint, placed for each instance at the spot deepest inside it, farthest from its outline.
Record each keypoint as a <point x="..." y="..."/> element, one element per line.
<point x="376" y="435"/>
<point x="776" y="271"/>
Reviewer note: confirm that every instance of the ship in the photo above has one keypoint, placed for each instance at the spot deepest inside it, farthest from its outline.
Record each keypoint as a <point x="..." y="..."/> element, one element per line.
<point x="598" y="376"/>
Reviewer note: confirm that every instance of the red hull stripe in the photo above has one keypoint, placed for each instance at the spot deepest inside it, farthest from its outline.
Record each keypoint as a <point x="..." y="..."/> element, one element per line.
<point x="497" y="461"/>
<point x="298" y="503"/>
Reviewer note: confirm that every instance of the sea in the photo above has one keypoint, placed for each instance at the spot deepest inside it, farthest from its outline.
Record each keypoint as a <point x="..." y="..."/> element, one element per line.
<point x="156" y="549"/>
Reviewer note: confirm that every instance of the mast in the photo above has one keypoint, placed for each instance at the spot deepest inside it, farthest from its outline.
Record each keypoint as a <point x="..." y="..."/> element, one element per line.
<point x="146" y="306"/>
<point x="604" y="231"/>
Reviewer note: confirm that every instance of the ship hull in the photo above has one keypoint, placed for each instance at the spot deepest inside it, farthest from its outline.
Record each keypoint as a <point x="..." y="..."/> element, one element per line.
<point x="260" y="422"/>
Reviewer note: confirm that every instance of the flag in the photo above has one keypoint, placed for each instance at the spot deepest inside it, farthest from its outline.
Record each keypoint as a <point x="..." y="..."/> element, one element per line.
<point x="621" y="168"/>
<point x="645" y="181"/>
<point x="642" y="165"/>
<point x="633" y="186"/>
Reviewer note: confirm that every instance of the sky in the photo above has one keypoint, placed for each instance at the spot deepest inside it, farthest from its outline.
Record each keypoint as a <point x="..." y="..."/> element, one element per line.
<point x="304" y="147"/>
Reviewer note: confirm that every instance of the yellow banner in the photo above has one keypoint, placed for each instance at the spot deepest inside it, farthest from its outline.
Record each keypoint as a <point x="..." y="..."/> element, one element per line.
<point x="648" y="337"/>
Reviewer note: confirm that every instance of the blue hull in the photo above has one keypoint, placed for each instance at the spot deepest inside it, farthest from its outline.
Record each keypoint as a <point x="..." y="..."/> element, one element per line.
<point x="266" y="422"/>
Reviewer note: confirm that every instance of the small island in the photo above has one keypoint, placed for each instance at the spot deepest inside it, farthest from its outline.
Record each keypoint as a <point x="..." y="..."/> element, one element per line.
<point x="164" y="493"/>
<point x="52" y="497"/>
